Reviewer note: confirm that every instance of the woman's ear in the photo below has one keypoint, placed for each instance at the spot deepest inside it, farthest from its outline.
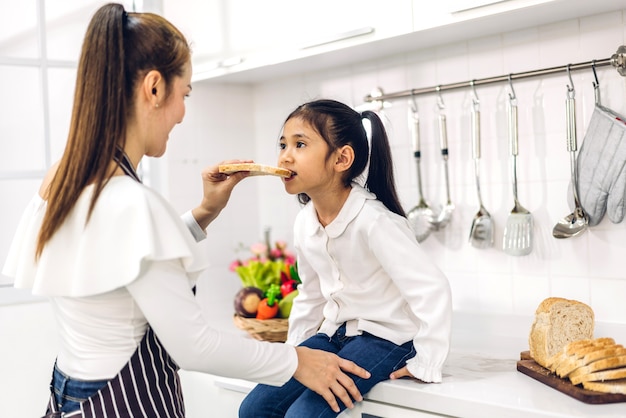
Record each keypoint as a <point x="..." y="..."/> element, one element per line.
<point x="345" y="158"/>
<point x="153" y="88"/>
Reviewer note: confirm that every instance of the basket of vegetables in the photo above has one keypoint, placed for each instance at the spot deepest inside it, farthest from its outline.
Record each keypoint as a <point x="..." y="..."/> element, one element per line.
<point x="269" y="285"/>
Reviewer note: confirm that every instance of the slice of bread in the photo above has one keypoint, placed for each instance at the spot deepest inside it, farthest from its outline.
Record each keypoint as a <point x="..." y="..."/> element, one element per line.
<point x="255" y="169"/>
<point x="601" y="376"/>
<point x="558" y="322"/>
<point x="570" y="349"/>
<point x="588" y="356"/>
<point x="612" y="386"/>
<point x="600" y="348"/>
<point x="608" y="363"/>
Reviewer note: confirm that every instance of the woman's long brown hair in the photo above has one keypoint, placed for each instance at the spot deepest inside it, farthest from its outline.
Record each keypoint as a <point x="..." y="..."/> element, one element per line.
<point x="118" y="50"/>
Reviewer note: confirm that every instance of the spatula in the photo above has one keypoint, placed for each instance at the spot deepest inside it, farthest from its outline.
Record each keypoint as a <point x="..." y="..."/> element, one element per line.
<point x="481" y="232"/>
<point x="518" y="236"/>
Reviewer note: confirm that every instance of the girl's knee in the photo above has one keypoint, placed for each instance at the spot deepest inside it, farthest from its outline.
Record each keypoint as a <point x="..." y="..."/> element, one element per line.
<point x="248" y="408"/>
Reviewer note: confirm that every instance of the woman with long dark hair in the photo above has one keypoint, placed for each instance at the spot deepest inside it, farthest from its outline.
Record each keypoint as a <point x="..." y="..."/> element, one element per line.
<point x="117" y="263"/>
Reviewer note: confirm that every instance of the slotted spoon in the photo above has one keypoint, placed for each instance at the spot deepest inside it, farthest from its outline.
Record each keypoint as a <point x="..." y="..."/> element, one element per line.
<point x="481" y="232"/>
<point x="518" y="238"/>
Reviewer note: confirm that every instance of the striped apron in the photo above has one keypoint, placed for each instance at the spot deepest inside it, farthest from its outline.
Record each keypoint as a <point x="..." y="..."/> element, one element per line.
<point x="148" y="386"/>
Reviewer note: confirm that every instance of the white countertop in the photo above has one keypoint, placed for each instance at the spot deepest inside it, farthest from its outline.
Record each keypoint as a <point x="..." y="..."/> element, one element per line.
<point x="480" y="379"/>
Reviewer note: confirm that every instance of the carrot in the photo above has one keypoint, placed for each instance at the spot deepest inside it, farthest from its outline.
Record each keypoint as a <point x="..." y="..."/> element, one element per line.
<point x="268" y="307"/>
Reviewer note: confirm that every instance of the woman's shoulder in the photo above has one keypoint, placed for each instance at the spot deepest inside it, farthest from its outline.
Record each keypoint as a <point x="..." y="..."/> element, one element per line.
<point x="122" y="193"/>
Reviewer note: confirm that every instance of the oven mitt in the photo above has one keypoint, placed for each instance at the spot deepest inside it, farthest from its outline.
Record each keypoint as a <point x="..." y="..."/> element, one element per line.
<point x="601" y="167"/>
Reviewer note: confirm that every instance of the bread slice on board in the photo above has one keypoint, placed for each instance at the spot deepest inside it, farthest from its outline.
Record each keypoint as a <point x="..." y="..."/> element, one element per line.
<point x="588" y="355"/>
<point x="558" y="322"/>
<point x="255" y="169"/>
<point x="601" y="376"/>
<point x="609" y="363"/>
<point x="612" y="386"/>
<point x="570" y="349"/>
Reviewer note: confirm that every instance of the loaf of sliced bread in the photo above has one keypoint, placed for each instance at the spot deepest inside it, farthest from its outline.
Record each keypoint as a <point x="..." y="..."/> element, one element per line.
<point x="558" y="322"/>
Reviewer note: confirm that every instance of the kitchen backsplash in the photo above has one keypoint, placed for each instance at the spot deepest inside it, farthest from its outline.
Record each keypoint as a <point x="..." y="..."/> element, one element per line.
<point x="236" y="121"/>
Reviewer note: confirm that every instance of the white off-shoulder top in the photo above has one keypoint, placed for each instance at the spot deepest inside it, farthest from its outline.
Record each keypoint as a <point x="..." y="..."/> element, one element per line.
<point x="130" y="266"/>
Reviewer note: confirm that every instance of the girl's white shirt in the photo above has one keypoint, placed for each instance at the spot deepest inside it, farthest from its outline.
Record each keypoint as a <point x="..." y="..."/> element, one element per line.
<point x="367" y="269"/>
<point x="132" y="265"/>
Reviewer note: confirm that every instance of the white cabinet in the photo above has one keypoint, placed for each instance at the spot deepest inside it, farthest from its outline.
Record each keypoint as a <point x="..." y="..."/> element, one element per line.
<point x="239" y="35"/>
<point x="247" y="41"/>
<point x="381" y="410"/>
<point x="456" y="11"/>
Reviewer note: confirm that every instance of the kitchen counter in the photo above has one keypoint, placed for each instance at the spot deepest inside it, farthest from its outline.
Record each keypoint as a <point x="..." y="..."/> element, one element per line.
<point x="480" y="379"/>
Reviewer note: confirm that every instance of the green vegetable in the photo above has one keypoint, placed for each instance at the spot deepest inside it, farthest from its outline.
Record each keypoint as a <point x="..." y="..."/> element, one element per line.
<point x="260" y="274"/>
<point x="284" y="306"/>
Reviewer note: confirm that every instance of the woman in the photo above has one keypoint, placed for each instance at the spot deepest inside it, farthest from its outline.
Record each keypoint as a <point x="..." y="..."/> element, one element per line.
<point x="115" y="260"/>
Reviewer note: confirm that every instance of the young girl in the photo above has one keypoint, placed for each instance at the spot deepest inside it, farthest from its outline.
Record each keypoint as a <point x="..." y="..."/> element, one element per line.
<point x="368" y="293"/>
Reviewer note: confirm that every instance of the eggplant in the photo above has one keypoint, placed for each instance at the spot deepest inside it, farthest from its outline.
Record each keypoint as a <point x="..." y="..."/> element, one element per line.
<point x="247" y="301"/>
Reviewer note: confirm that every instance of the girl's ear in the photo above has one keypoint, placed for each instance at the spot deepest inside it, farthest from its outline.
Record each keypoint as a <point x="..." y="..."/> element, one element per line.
<point x="345" y="158"/>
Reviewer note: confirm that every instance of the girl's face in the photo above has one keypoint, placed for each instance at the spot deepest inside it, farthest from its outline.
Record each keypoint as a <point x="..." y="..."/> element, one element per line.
<point x="169" y="113"/>
<point x="304" y="151"/>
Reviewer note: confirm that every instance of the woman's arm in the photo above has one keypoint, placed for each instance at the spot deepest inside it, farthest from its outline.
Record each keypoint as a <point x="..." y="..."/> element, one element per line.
<point x="163" y="294"/>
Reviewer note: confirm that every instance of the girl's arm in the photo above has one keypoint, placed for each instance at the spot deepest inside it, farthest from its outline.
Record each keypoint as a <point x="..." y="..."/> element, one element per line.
<point x="307" y="311"/>
<point x="425" y="289"/>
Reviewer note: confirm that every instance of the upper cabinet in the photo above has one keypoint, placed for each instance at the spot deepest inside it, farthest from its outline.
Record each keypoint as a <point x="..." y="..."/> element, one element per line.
<point x="235" y="36"/>
<point x="249" y="41"/>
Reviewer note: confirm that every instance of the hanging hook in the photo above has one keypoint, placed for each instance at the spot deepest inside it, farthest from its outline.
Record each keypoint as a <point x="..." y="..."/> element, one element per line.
<point x="475" y="100"/>
<point x="440" y="98"/>
<point x="512" y="95"/>
<point x="596" y="83"/>
<point x="413" y="103"/>
<point x="570" y="90"/>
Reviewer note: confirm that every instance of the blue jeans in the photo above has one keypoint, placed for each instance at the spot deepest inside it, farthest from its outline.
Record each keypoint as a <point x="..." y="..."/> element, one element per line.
<point x="69" y="392"/>
<point x="380" y="357"/>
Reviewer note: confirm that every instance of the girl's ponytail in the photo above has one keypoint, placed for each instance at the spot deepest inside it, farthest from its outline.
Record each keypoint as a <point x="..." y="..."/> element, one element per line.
<point x="380" y="178"/>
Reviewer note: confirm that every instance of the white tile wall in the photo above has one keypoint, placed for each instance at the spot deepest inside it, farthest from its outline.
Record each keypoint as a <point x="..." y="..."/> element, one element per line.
<point x="586" y="268"/>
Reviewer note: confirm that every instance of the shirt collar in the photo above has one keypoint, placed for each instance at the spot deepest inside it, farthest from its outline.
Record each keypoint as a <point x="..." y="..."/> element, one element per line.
<point x="351" y="208"/>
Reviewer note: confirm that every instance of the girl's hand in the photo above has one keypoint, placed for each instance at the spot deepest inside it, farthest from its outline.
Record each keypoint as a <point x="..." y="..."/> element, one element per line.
<point x="323" y="373"/>
<point x="217" y="188"/>
<point x="403" y="372"/>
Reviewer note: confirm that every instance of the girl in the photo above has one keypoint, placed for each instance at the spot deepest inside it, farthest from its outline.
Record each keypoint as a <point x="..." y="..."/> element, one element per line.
<point x="368" y="293"/>
<point x="116" y="261"/>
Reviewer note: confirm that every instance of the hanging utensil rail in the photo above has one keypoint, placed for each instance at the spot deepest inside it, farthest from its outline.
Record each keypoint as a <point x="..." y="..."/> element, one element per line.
<point x="617" y="60"/>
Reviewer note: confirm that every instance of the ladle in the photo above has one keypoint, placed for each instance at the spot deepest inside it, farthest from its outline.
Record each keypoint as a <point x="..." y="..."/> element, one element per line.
<point x="444" y="217"/>
<point x="481" y="232"/>
<point x="576" y="222"/>
<point x="421" y="216"/>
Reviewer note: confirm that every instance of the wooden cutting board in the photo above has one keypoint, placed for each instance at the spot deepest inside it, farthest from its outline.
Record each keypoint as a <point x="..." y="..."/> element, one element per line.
<point x="529" y="367"/>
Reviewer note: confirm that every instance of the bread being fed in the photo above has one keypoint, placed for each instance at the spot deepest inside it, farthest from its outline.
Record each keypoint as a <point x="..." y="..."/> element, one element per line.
<point x="255" y="169"/>
<point x="558" y="322"/>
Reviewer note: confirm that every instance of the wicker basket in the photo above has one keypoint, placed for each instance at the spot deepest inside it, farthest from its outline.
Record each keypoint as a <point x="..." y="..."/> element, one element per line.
<point x="273" y="330"/>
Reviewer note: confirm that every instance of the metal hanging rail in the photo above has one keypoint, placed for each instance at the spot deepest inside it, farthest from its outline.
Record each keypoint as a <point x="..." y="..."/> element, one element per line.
<point x="617" y="60"/>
